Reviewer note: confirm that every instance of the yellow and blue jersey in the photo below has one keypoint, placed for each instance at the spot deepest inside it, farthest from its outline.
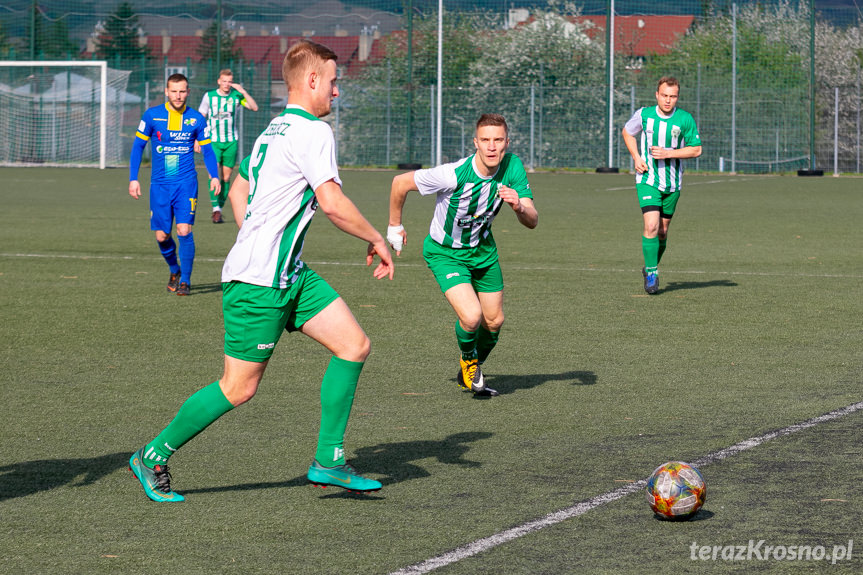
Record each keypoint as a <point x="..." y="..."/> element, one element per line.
<point x="172" y="137"/>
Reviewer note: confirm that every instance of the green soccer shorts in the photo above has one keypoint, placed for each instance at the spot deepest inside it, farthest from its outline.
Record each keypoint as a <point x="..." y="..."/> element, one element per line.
<point x="256" y="316"/>
<point x="650" y="199"/>
<point x="477" y="266"/>
<point x="226" y="153"/>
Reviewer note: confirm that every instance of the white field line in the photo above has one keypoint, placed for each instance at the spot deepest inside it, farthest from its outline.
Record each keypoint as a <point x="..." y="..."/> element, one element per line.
<point x="688" y="184"/>
<point x="360" y="263"/>
<point x="486" y="543"/>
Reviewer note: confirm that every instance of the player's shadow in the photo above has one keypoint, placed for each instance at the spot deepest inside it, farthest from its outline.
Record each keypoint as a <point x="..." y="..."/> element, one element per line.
<point x="509" y="383"/>
<point x="674" y="286"/>
<point x="206" y="288"/>
<point x="394" y="461"/>
<point x="30" y="477"/>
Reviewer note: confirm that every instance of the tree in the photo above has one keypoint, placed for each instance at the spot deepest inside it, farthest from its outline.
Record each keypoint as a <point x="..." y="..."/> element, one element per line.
<point x="207" y="49"/>
<point x="53" y="40"/>
<point x="118" y="38"/>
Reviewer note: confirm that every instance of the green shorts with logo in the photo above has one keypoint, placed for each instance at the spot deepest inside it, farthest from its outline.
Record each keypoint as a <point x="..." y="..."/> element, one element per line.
<point x="226" y="153"/>
<point x="651" y="199"/>
<point x="256" y="316"/>
<point x="477" y="266"/>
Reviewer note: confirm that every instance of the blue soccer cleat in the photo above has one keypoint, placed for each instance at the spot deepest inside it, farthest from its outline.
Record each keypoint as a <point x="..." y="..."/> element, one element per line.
<point x="651" y="282"/>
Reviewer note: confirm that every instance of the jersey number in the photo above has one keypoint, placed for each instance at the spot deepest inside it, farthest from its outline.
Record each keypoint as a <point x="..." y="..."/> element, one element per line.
<point x="259" y="161"/>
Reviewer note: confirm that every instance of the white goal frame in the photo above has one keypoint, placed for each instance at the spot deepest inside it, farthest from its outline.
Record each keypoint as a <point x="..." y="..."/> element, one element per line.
<point x="103" y="91"/>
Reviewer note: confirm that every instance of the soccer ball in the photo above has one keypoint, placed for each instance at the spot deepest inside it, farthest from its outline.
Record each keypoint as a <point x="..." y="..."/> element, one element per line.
<point x="676" y="490"/>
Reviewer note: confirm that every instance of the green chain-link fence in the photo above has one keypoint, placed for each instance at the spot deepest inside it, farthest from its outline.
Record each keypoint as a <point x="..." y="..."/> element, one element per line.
<point x="745" y="70"/>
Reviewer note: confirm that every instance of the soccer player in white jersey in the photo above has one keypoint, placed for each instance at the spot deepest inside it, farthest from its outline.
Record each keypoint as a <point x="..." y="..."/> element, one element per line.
<point x="460" y="249"/>
<point x="658" y="139"/>
<point x="268" y="289"/>
<point x="221" y="107"/>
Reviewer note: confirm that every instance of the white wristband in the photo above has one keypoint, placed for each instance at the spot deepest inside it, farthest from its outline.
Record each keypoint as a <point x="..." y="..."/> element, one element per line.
<point x="395" y="238"/>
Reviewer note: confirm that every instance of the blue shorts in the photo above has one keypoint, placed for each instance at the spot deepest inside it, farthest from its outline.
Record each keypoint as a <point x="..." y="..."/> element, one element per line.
<point x="169" y="202"/>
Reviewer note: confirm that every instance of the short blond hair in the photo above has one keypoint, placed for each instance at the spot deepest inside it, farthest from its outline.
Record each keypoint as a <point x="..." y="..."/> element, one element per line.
<point x="302" y="56"/>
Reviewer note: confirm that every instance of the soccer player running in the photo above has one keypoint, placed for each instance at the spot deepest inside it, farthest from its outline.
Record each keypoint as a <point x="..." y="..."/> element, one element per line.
<point x="174" y="179"/>
<point x="667" y="136"/>
<point x="460" y="249"/>
<point x="268" y="289"/>
<point x="220" y="107"/>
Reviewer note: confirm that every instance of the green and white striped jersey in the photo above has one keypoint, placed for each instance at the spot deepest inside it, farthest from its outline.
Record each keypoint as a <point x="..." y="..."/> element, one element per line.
<point x="466" y="202"/>
<point x="290" y="159"/>
<point x="675" y="131"/>
<point x="221" y="113"/>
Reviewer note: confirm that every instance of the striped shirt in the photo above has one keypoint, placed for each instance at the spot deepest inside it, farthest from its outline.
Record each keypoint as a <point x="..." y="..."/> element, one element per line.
<point x="221" y="113"/>
<point x="656" y="129"/>
<point x="467" y="202"/>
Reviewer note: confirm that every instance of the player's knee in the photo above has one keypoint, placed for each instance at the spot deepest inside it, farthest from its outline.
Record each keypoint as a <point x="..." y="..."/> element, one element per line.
<point x="358" y="350"/>
<point x="495" y="323"/>
<point x="364" y="348"/>
<point x="239" y="392"/>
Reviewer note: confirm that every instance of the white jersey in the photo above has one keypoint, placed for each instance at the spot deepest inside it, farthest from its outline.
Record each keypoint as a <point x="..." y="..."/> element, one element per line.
<point x="290" y="159"/>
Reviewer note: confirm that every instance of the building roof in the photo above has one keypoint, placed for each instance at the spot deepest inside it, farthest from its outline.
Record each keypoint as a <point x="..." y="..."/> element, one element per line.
<point x="641" y="35"/>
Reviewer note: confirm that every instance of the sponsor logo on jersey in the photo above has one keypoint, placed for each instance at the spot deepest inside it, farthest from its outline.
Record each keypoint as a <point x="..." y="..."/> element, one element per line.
<point x="180" y="135"/>
<point x="475" y="220"/>
<point x="169" y="149"/>
<point x="158" y="135"/>
<point x="142" y="126"/>
<point x="675" y="131"/>
<point x="190" y="121"/>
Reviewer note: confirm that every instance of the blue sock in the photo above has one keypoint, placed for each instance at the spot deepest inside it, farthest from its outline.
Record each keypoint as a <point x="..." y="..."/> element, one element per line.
<point x="187" y="257"/>
<point x="169" y="252"/>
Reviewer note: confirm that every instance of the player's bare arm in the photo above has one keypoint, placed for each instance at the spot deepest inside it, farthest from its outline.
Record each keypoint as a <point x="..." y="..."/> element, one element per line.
<point x="239" y="196"/>
<point x="216" y="185"/>
<point x="250" y="102"/>
<point x="524" y="208"/>
<point x="345" y="216"/>
<point x="683" y="153"/>
<point x="135" y="189"/>
<point x="396" y="234"/>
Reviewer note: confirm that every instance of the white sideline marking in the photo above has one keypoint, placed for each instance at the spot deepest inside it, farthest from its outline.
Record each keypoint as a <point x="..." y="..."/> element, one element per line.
<point x="422" y="265"/>
<point x="486" y="543"/>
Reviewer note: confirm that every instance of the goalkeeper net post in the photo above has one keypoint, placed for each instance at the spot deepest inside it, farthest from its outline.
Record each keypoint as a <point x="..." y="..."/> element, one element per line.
<point x="62" y="113"/>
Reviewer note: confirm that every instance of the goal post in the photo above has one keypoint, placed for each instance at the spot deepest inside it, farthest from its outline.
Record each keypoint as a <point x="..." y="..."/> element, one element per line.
<point x="62" y="113"/>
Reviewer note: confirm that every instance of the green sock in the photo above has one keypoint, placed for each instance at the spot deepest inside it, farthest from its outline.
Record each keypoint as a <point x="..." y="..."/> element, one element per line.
<point x="337" y="398"/>
<point x="223" y="195"/>
<point x="661" y="250"/>
<point x="485" y="342"/>
<point x="214" y="199"/>
<point x="650" y="247"/>
<point x="466" y="341"/>
<point x="201" y="409"/>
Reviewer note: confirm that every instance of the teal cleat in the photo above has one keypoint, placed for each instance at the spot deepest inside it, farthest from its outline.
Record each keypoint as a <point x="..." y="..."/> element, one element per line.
<point x="343" y="476"/>
<point x="156" y="482"/>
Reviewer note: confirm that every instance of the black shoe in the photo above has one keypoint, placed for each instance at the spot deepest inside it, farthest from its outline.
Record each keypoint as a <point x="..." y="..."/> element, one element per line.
<point x="217" y="218"/>
<point x="184" y="289"/>
<point x="651" y="283"/>
<point x="173" y="282"/>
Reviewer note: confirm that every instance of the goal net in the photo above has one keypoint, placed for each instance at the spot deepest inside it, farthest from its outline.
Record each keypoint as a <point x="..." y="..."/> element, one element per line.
<point x="65" y="113"/>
